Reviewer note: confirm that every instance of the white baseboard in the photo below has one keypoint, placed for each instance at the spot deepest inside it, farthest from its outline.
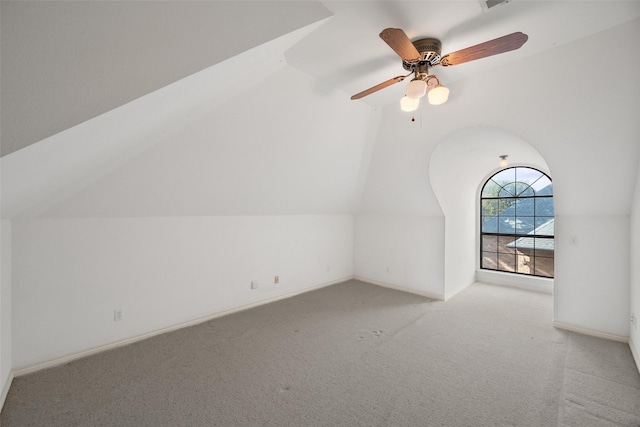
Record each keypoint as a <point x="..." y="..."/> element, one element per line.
<point x="24" y="370"/>
<point x="455" y="292"/>
<point x="401" y="288"/>
<point x="634" y="353"/>
<point x="5" y="390"/>
<point x="592" y="332"/>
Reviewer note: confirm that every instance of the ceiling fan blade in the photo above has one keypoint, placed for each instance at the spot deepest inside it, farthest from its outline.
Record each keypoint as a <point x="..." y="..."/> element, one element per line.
<point x="400" y="43"/>
<point x="382" y="85"/>
<point x="492" y="47"/>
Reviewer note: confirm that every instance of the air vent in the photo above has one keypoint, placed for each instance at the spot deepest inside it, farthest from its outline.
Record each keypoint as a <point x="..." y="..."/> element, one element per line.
<point x="493" y="3"/>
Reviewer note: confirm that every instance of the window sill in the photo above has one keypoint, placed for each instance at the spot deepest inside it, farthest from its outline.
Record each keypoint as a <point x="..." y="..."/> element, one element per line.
<point x="532" y="283"/>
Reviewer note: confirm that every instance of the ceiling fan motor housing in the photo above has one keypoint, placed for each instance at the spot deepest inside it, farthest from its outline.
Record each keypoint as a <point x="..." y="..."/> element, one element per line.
<point x="430" y="53"/>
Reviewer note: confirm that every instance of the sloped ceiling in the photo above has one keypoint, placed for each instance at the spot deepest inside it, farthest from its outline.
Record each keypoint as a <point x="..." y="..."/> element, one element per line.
<point x="583" y="123"/>
<point x="245" y="110"/>
<point x="347" y="52"/>
<point x="279" y="135"/>
<point x="278" y="148"/>
<point x="64" y="62"/>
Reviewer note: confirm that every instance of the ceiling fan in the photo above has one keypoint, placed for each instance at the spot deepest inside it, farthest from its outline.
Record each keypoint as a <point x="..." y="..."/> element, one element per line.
<point x="420" y="55"/>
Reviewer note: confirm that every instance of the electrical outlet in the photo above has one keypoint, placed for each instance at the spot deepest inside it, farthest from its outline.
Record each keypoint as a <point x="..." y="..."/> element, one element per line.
<point x="276" y="279"/>
<point x="634" y="320"/>
<point x="254" y="284"/>
<point x="117" y="315"/>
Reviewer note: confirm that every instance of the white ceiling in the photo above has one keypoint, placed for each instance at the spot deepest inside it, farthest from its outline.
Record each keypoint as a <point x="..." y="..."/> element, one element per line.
<point x="64" y="62"/>
<point x="348" y="54"/>
<point x="271" y="130"/>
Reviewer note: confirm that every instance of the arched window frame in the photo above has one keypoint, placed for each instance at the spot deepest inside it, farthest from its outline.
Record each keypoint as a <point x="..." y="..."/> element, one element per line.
<point x="527" y="251"/>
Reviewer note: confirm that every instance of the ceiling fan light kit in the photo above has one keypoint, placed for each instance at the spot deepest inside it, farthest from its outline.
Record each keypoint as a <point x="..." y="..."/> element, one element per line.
<point x="420" y="55"/>
<point x="416" y="89"/>
<point x="409" y="104"/>
<point x="438" y="95"/>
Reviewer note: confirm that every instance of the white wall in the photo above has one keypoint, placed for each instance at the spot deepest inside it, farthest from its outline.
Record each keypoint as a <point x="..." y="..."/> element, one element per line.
<point x="171" y="221"/>
<point x="592" y="277"/>
<point x="5" y="307"/>
<point x="273" y="156"/>
<point x="634" y="332"/>
<point x="459" y="166"/>
<point x="70" y="274"/>
<point x="400" y="225"/>
<point x="591" y="148"/>
<point x="404" y="251"/>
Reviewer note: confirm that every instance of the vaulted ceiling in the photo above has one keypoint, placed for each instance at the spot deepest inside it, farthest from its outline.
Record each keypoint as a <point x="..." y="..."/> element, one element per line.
<point x="231" y="108"/>
<point x="347" y="53"/>
<point x="66" y="62"/>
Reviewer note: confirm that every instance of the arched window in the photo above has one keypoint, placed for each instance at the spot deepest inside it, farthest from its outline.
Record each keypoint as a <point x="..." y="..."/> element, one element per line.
<point x="517" y="222"/>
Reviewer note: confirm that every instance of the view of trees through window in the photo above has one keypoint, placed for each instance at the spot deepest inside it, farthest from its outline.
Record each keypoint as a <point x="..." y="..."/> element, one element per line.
<point x="517" y="222"/>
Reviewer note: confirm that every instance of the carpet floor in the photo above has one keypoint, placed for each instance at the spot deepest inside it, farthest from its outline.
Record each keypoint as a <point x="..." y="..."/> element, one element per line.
<point x="351" y="354"/>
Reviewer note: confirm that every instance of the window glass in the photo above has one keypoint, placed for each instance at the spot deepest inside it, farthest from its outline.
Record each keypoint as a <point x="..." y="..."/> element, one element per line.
<point x="517" y="222"/>
<point x="525" y="206"/>
<point x="490" y="207"/>
<point x="490" y="260"/>
<point x="543" y="187"/>
<point x="490" y="244"/>
<point x="508" y="190"/>
<point x="524" y="190"/>
<point x="545" y="226"/>
<point x="507" y="225"/>
<point x="505" y="176"/>
<point x="490" y="224"/>
<point x="544" y="206"/>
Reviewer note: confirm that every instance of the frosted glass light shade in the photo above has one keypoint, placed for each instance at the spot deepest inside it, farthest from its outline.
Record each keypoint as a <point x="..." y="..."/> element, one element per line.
<point x="438" y="95"/>
<point x="416" y="89"/>
<point x="408" y="104"/>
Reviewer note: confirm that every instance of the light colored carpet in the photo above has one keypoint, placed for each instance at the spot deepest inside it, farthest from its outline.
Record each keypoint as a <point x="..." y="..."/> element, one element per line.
<point x="351" y="354"/>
